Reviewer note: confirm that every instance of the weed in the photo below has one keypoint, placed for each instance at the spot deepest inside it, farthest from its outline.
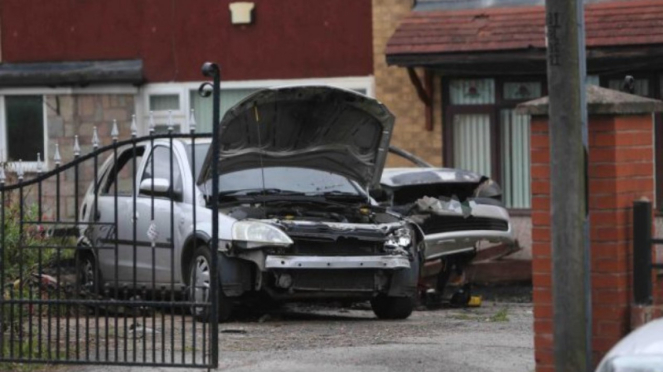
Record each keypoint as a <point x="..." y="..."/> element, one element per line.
<point x="500" y="316"/>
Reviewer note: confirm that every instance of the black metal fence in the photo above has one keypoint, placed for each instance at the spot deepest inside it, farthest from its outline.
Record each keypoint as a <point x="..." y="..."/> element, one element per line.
<point x="102" y="259"/>
<point x="643" y="243"/>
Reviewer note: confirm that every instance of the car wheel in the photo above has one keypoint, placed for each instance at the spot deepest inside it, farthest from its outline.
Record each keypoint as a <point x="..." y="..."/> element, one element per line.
<point x="386" y="307"/>
<point x="199" y="285"/>
<point x="89" y="276"/>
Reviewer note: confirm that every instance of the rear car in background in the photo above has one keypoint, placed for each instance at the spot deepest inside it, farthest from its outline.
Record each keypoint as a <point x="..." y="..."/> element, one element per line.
<point x="456" y="209"/>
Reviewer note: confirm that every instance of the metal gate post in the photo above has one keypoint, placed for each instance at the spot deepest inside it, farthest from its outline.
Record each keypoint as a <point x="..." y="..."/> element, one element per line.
<point x="212" y="70"/>
<point x="642" y="252"/>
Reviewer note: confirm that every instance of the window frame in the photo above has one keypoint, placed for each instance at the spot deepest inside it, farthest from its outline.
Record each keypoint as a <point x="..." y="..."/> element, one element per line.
<point x="28" y="166"/>
<point x="176" y="164"/>
<point x="493" y="110"/>
<point x="106" y="183"/>
<point x="183" y="89"/>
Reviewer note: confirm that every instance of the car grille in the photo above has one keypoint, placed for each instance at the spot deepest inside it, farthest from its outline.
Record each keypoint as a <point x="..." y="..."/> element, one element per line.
<point x="442" y="224"/>
<point x="333" y="280"/>
<point x="340" y="247"/>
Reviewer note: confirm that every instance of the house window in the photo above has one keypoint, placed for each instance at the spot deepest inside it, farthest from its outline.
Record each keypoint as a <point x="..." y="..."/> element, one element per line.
<point x="165" y="102"/>
<point x="487" y="136"/>
<point x="22" y="128"/>
<point x="203" y="106"/>
<point x="174" y="101"/>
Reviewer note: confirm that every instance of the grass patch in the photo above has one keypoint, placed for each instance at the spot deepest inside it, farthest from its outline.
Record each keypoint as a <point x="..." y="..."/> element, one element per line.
<point x="500" y="316"/>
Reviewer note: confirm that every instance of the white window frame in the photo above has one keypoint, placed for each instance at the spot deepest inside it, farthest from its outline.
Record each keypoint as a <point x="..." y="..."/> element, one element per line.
<point x="183" y="89"/>
<point x="28" y="166"/>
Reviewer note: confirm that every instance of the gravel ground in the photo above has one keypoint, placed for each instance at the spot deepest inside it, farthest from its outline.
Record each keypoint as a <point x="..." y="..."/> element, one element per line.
<point x="494" y="337"/>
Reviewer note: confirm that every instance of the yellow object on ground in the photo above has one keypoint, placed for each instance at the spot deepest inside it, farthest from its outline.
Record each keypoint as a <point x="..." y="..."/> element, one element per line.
<point x="475" y="301"/>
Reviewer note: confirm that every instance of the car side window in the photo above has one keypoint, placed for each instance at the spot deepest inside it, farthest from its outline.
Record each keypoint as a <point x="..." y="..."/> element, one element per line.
<point x="161" y="158"/>
<point x="125" y="173"/>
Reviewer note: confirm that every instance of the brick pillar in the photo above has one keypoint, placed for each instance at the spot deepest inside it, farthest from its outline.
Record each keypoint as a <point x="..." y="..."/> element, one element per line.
<point x="621" y="170"/>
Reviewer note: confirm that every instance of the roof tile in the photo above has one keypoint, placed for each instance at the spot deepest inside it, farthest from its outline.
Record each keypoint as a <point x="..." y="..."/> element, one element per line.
<point x="606" y="24"/>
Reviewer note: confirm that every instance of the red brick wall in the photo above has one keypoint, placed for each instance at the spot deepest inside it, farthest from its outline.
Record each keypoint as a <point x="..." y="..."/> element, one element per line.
<point x="621" y="170"/>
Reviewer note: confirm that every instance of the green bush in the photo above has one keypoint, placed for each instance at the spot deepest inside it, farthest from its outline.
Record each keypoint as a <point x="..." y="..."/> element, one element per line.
<point x="25" y="247"/>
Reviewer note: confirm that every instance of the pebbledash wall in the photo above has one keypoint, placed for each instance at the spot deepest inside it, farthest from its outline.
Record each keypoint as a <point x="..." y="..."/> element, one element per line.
<point x="394" y="88"/>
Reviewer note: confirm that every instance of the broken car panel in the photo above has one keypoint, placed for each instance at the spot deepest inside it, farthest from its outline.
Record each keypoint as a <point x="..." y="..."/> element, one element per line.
<point x="456" y="209"/>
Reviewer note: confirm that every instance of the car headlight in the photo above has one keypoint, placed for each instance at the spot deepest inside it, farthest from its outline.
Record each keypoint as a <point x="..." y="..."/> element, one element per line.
<point x="255" y="234"/>
<point x="400" y="238"/>
<point x="489" y="189"/>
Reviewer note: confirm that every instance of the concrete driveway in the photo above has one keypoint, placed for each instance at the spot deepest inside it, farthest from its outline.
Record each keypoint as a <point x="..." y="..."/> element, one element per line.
<point x="495" y="337"/>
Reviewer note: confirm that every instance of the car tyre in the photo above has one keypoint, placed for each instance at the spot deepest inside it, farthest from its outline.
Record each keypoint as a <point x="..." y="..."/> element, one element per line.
<point x="393" y="308"/>
<point x="200" y="270"/>
<point x="89" y="275"/>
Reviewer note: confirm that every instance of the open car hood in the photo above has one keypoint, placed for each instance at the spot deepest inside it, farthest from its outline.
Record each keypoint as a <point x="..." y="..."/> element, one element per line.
<point x="319" y="127"/>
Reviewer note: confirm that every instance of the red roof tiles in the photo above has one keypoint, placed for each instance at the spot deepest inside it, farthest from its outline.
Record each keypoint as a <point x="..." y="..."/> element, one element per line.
<point x="499" y="29"/>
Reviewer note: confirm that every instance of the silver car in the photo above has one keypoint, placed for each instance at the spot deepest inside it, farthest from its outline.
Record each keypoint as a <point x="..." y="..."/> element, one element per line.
<point x="295" y="219"/>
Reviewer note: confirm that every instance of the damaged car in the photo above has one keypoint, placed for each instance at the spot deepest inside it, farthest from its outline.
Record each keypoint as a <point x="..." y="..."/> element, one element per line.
<point x="296" y="221"/>
<point x="457" y="211"/>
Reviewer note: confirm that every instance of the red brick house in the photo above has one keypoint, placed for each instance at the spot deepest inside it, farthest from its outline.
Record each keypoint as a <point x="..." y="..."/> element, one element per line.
<point x="69" y="66"/>
<point x="453" y="71"/>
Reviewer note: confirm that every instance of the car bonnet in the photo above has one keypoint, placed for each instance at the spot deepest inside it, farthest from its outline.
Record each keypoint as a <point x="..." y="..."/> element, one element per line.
<point x="319" y="127"/>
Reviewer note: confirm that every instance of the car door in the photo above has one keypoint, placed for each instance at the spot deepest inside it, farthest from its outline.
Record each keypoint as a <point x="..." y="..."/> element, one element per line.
<point x="158" y="216"/>
<point x="114" y="217"/>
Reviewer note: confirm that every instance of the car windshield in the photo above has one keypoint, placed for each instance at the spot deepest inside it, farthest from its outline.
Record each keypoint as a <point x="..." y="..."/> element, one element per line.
<point x="276" y="179"/>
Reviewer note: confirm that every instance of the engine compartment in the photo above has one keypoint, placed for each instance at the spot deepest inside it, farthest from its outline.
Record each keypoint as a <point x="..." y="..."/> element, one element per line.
<point x="313" y="212"/>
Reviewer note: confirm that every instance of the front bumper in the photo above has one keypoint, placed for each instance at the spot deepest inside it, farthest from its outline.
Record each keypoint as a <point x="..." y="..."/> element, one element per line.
<point x="453" y="242"/>
<point x="343" y="262"/>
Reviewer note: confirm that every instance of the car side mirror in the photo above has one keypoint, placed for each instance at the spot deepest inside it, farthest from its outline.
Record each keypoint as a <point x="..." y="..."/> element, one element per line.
<point x="155" y="186"/>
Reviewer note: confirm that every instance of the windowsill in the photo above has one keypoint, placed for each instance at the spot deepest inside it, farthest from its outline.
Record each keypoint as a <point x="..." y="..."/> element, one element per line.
<point x="519" y="212"/>
<point x="28" y="167"/>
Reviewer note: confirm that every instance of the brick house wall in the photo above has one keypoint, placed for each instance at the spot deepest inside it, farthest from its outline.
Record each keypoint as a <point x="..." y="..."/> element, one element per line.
<point x="394" y="88"/>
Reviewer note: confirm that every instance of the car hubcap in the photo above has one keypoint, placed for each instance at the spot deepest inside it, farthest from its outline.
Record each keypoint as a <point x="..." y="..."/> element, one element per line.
<point x="200" y="281"/>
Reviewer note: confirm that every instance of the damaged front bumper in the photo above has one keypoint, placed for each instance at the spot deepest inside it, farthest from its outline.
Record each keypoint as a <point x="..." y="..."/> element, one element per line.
<point x="343" y="262"/>
<point x="489" y="223"/>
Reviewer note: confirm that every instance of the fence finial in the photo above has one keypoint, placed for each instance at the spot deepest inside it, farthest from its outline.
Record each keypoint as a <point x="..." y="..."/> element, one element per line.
<point x="170" y="120"/>
<point x="95" y="138"/>
<point x="77" y="147"/>
<point x="192" y="121"/>
<point x="151" y="124"/>
<point x="40" y="165"/>
<point x="56" y="157"/>
<point x="134" y="127"/>
<point x="114" y="132"/>
<point x="19" y="169"/>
